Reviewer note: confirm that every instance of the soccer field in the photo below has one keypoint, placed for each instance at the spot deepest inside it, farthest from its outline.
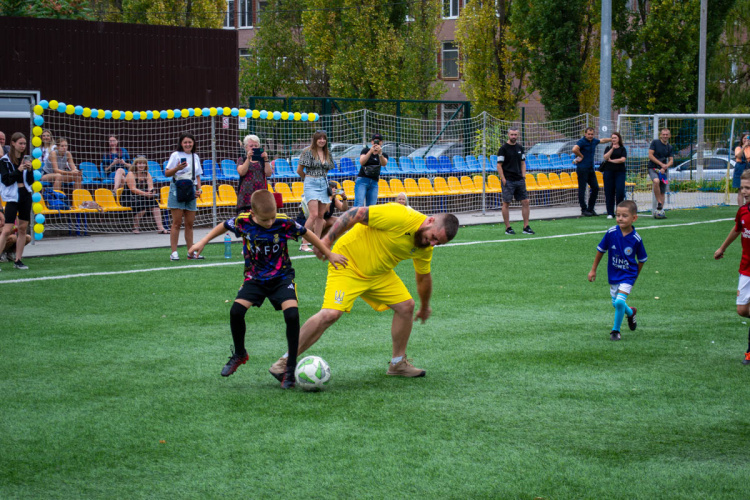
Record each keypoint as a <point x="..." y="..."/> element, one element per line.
<point x="110" y="381"/>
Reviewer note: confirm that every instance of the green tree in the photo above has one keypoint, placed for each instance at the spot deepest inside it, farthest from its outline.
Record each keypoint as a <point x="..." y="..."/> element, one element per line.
<point x="187" y="13"/>
<point x="728" y="79"/>
<point x="495" y="76"/>
<point x="54" y="9"/>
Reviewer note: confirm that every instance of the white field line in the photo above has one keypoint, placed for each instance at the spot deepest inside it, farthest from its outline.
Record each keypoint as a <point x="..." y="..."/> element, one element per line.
<point x="217" y="264"/>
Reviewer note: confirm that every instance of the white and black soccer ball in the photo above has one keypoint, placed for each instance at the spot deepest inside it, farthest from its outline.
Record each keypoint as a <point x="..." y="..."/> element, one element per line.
<point x="312" y="373"/>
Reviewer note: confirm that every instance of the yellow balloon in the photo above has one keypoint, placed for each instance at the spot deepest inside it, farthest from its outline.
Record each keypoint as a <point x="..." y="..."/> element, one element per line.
<point x="38" y="110"/>
<point x="86" y="112"/>
<point x="197" y="111"/>
<point x="170" y="114"/>
<point x="311" y="117"/>
<point x="243" y="113"/>
<point x="184" y="113"/>
<point x="226" y="111"/>
<point x="53" y="104"/>
<point x="213" y="111"/>
<point x="36" y="131"/>
<point x="36" y="163"/>
<point x="100" y="114"/>
<point x="38" y="228"/>
<point x="297" y="117"/>
<point x="128" y="115"/>
<point x="143" y="115"/>
<point x="116" y="114"/>
<point x="284" y="115"/>
<point x="36" y="142"/>
<point x="70" y="109"/>
<point x="36" y="187"/>
<point x="37" y="208"/>
<point x="270" y="116"/>
<point x="256" y="113"/>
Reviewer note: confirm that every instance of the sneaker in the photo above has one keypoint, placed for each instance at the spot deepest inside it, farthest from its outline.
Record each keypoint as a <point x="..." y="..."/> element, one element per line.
<point x="305" y="248"/>
<point x="609" y="216"/>
<point x="4" y="257"/>
<point x="278" y="369"/>
<point x="174" y="256"/>
<point x="404" y="368"/>
<point x="20" y="265"/>
<point x="510" y="231"/>
<point x="593" y="213"/>
<point x="235" y="360"/>
<point x="746" y="361"/>
<point x="528" y="230"/>
<point x="615" y="335"/>
<point x="659" y="206"/>
<point x="195" y="256"/>
<point x="632" y="323"/>
<point x="586" y="213"/>
<point x="288" y="381"/>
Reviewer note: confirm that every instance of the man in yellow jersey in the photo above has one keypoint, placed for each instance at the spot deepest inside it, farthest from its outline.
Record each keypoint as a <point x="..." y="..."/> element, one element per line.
<point x="381" y="236"/>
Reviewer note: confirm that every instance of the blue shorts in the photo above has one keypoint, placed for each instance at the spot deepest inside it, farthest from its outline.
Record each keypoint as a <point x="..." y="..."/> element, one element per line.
<point x="316" y="188"/>
<point x="173" y="204"/>
<point x="738" y="169"/>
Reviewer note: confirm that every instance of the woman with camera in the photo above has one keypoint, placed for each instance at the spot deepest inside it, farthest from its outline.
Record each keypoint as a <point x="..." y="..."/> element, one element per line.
<point x="184" y="167"/>
<point x="16" y="178"/>
<point x="371" y="159"/>
<point x="254" y="169"/>
<point x="314" y="164"/>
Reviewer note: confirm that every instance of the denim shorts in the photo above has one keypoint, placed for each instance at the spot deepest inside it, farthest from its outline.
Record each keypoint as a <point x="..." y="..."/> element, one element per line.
<point x="316" y="188"/>
<point x="173" y="204"/>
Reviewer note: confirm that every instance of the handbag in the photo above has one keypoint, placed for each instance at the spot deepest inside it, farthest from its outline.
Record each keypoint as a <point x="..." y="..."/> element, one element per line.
<point x="186" y="188"/>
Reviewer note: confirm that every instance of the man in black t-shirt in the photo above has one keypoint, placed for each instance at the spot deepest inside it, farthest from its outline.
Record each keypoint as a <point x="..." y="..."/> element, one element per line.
<point x="660" y="158"/>
<point x="511" y="166"/>
<point x="371" y="159"/>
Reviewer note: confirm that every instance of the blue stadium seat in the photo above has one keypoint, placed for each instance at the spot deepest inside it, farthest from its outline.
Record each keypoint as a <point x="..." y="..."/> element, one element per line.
<point x="483" y="162"/>
<point x="391" y="168"/>
<point x="432" y="164"/>
<point x="295" y="164"/>
<point x="473" y="164"/>
<point x="493" y="162"/>
<point x="282" y="169"/>
<point x="208" y="170"/>
<point x="348" y="167"/>
<point x="406" y="165"/>
<point x="107" y="178"/>
<point x="90" y="173"/>
<point x="459" y="164"/>
<point x="419" y="165"/>
<point x="444" y="165"/>
<point x="157" y="174"/>
<point x="228" y="171"/>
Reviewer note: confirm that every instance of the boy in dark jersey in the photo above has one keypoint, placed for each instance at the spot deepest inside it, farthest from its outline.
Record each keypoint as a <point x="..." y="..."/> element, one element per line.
<point x="626" y="258"/>
<point x="742" y="227"/>
<point x="268" y="273"/>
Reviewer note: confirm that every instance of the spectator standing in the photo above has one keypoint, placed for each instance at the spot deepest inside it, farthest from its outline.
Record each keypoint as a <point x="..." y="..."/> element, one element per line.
<point x="8" y="253"/>
<point x="5" y="149"/>
<point x="116" y="160"/>
<point x="371" y="160"/>
<point x="511" y="166"/>
<point x="613" y="171"/>
<point x="741" y="156"/>
<point x="16" y="177"/>
<point x="660" y="159"/>
<point x="314" y="164"/>
<point x="183" y="164"/>
<point x="62" y="165"/>
<point x="139" y="195"/>
<point x="584" y="151"/>
<point x="254" y="169"/>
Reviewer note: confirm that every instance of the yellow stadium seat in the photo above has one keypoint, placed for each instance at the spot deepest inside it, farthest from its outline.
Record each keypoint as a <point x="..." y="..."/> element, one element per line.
<point x="383" y="190"/>
<point x="441" y="186"/>
<point x="600" y="179"/>
<point x="411" y="188"/>
<point x="479" y="184"/>
<point x="81" y="196"/>
<point x="349" y="189"/>
<point x="574" y="178"/>
<point x="164" y="197"/>
<point x="566" y="181"/>
<point x="283" y="188"/>
<point x="554" y="181"/>
<point x="531" y="184"/>
<point x="425" y="187"/>
<point x="397" y="187"/>
<point x="206" y="198"/>
<point x="227" y="195"/>
<point x="493" y="184"/>
<point x="542" y="181"/>
<point x="298" y="189"/>
<point x="106" y="200"/>
<point x="468" y="185"/>
<point x="454" y="186"/>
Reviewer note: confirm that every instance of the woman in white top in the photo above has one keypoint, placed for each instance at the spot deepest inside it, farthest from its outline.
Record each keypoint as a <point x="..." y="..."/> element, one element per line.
<point x="64" y="166"/>
<point x="181" y="165"/>
<point x="48" y="147"/>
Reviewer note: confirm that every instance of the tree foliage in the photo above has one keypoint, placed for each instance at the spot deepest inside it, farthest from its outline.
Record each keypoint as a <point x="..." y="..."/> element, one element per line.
<point x="54" y="9"/>
<point x="728" y="79"/>
<point x="495" y="76"/>
<point x="186" y="13"/>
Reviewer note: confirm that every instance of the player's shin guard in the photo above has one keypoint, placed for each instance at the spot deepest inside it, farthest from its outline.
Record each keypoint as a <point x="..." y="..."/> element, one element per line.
<point x="291" y="317"/>
<point x="621" y="310"/>
<point x="237" y="324"/>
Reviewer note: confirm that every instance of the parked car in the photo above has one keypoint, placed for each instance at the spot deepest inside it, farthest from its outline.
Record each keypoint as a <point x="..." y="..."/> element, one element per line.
<point x="449" y="149"/>
<point x="389" y="148"/>
<point x="552" y="147"/>
<point x="714" y="168"/>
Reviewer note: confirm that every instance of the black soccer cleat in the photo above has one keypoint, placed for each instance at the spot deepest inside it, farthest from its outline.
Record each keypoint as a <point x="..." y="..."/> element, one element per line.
<point x="510" y="231"/>
<point x="632" y="322"/>
<point x="614" y="335"/>
<point x="235" y="360"/>
<point x="288" y="381"/>
<point x="528" y="230"/>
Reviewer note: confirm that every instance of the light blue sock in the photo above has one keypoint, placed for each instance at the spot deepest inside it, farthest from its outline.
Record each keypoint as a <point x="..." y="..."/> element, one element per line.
<point x="621" y="310"/>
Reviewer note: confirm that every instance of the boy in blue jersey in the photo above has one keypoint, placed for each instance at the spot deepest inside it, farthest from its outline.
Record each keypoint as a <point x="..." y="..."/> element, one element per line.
<point x="268" y="273"/>
<point x="626" y="258"/>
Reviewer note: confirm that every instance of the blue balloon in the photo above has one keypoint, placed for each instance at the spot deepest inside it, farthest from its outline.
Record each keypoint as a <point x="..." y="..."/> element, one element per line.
<point x="277" y="115"/>
<point x="78" y="110"/>
<point x="39" y="219"/>
<point x="38" y="236"/>
<point x="107" y="114"/>
<point x="44" y="104"/>
<point x="205" y="112"/>
<point x="264" y="114"/>
<point x="61" y="107"/>
<point x="94" y="112"/>
<point x="304" y="117"/>
<point x="159" y="114"/>
<point x="235" y="112"/>
<point x="37" y="175"/>
<point x="191" y="111"/>
<point x="136" y="115"/>
<point x="177" y="113"/>
<point x="149" y="115"/>
<point x="37" y="153"/>
<point x="317" y="117"/>
<point x="38" y="121"/>
<point x="36" y="197"/>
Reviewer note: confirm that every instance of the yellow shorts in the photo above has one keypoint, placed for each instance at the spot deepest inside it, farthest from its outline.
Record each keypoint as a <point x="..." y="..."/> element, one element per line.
<point x="343" y="286"/>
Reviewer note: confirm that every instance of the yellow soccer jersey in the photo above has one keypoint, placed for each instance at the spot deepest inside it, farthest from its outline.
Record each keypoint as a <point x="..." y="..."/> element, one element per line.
<point x="388" y="239"/>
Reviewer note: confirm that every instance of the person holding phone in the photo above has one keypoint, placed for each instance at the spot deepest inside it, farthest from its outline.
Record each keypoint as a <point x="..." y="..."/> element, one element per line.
<point x="116" y="160"/>
<point x="183" y="164"/>
<point x="254" y="169"/>
<point x="371" y="160"/>
<point x="16" y="177"/>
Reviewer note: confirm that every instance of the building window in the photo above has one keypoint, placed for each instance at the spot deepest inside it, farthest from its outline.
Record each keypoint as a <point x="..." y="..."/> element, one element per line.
<point x="450" y="8"/>
<point x="449" y="110"/>
<point x="229" y="17"/>
<point x="245" y="13"/>
<point x="245" y="53"/>
<point x="450" y="60"/>
<point x="262" y="4"/>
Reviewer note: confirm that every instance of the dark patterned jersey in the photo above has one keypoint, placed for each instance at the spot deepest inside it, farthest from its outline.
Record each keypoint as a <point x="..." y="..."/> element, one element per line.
<point x="265" y="250"/>
<point x="742" y="226"/>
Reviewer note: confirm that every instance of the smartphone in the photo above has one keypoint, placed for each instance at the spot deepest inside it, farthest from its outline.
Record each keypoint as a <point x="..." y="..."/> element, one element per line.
<point x="26" y="158"/>
<point x="181" y="161"/>
<point x="376" y="141"/>
<point x="257" y="153"/>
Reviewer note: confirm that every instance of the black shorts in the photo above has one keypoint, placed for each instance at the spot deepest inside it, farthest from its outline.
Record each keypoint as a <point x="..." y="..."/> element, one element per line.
<point x="277" y="291"/>
<point x="20" y="208"/>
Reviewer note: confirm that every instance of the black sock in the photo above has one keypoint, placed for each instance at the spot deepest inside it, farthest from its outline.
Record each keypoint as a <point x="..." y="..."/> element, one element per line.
<point x="748" y="341"/>
<point x="659" y="206"/>
<point x="237" y="324"/>
<point x="291" y="317"/>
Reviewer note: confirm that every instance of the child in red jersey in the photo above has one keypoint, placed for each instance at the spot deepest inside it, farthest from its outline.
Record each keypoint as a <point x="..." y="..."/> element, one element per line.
<point x="742" y="227"/>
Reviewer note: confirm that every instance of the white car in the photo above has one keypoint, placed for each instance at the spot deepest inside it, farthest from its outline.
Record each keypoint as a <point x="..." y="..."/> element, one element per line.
<point x="714" y="168"/>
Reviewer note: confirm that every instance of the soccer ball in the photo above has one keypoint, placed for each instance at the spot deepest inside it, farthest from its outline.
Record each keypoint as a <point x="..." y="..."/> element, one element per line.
<point x="312" y="373"/>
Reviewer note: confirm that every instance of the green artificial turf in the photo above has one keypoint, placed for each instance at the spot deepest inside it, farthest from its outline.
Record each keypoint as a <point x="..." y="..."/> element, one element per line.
<point x="110" y="383"/>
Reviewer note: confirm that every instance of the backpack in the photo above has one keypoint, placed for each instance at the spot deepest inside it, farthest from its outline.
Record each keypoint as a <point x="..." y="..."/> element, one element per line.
<point x="55" y="200"/>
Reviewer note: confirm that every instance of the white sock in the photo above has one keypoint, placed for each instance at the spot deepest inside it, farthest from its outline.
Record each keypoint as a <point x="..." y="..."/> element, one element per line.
<point x="286" y="355"/>
<point x="396" y="360"/>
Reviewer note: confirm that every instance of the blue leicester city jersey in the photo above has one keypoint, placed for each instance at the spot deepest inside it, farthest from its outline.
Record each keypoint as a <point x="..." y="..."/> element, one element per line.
<point x="265" y="250"/>
<point x="625" y="252"/>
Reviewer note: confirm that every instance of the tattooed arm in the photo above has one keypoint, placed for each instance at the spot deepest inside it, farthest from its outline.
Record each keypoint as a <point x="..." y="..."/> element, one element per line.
<point x="344" y="223"/>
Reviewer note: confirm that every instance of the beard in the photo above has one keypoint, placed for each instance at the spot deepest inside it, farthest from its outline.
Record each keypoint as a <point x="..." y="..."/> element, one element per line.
<point x="512" y="141"/>
<point x="419" y="239"/>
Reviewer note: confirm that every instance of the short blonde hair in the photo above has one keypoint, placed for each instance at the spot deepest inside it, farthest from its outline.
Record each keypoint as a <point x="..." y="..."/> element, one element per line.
<point x="406" y="198"/>
<point x="249" y="138"/>
<point x="263" y="202"/>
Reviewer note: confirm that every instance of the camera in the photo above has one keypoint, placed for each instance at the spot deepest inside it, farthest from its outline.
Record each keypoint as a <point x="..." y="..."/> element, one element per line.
<point x="257" y="153"/>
